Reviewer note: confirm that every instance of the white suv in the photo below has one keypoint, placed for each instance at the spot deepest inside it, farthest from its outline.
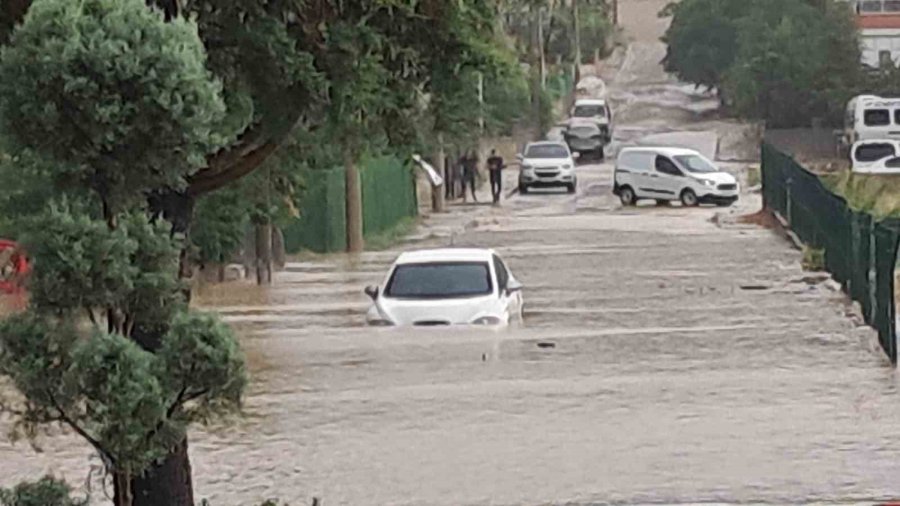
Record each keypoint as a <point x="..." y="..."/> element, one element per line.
<point x="547" y="164"/>
<point x="665" y="174"/>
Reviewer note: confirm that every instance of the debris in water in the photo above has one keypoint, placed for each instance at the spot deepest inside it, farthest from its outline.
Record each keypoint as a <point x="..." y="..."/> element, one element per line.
<point x="546" y="344"/>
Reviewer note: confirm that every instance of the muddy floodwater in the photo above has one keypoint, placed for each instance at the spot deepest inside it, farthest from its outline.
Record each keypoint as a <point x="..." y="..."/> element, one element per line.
<point x="668" y="355"/>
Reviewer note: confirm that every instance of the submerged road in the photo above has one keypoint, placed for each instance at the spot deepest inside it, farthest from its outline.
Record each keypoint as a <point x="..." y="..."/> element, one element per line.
<point x="693" y="360"/>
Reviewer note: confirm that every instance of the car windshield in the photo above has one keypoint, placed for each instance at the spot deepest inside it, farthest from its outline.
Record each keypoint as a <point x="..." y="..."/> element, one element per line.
<point x="696" y="164"/>
<point x="874" y="152"/>
<point x="584" y="130"/>
<point x="546" y="151"/>
<point x="444" y="280"/>
<point x="589" y="111"/>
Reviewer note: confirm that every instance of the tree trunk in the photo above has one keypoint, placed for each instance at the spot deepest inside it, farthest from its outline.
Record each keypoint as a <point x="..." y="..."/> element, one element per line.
<point x="122" y="490"/>
<point x="264" y="254"/>
<point x="279" y="255"/>
<point x="355" y="242"/>
<point x="168" y="483"/>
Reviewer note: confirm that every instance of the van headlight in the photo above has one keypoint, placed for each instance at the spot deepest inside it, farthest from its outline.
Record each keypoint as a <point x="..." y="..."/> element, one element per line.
<point x="708" y="182"/>
<point x="487" y="320"/>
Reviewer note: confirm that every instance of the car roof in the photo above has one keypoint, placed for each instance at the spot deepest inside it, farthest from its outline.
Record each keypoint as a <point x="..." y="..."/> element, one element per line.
<point x="668" y="151"/>
<point x="876" y="141"/>
<point x="876" y="101"/>
<point x="590" y="101"/>
<point x="545" y="143"/>
<point x="446" y="255"/>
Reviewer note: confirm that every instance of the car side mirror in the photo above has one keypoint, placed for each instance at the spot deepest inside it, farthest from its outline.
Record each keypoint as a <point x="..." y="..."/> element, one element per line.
<point x="372" y="292"/>
<point x="576" y="155"/>
<point x="513" y="286"/>
<point x="520" y="157"/>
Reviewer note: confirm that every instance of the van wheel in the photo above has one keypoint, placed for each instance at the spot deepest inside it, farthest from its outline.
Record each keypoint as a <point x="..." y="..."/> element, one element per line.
<point x="600" y="154"/>
<point x="571" y="188"/>
<point x="627" y="196"/>
<point x="523" y="189"/>
<point x="689" y="198"/>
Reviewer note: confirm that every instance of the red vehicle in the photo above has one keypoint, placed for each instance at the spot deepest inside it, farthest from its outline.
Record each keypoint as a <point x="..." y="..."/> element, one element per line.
<point x="13" y="267"/>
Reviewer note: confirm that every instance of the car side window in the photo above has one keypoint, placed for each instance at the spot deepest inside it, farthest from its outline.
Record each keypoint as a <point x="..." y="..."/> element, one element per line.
<point x="893" y="163"/>
<point x="666" y="166"/>
<point x="502" y="273"/>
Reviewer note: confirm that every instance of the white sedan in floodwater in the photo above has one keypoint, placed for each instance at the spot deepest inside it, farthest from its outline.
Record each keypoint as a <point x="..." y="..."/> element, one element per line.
<point x="446" y="287"/>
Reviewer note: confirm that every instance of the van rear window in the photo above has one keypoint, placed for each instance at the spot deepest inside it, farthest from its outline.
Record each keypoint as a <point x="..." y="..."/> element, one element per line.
<point x="874" y="152"/>
<point x="877" y="117"/>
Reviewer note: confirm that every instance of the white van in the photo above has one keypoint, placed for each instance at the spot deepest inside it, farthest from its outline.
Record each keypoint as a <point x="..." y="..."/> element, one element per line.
<point x="877" y="156"/>
<point x="871" y="117"/>
<point x="665" y="174"/>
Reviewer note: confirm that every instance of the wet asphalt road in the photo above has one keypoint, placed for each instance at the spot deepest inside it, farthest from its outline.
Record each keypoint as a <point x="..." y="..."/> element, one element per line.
<point x="693" y="361"/>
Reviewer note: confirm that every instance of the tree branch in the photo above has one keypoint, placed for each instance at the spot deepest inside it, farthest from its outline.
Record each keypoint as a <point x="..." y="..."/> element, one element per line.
<point x="208" y="181"/>
<point x="63" y="417"/>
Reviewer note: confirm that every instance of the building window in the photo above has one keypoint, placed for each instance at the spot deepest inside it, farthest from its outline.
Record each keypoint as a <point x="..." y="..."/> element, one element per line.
<point x="878" y="6"/>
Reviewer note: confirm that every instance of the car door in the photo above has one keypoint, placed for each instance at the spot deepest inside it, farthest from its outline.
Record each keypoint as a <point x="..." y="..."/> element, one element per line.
<point x="510" y="301"/>
<point x="667" y="179"/>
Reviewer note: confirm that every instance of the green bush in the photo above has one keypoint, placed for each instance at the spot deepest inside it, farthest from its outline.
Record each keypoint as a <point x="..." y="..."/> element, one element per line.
<point x="48" y="491"/>
<point x="813" y="259"/>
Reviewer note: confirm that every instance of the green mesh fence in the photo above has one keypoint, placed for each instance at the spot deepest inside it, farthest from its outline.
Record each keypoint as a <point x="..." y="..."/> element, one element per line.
<point x="322" y="225"/>
<point x="860" y="253"/>
<point x="388" y="193"/>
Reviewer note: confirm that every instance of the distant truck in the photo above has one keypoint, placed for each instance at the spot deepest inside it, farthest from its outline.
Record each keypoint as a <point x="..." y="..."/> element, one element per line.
<point x="869" y="117"/>
<point x="589" y="129"/>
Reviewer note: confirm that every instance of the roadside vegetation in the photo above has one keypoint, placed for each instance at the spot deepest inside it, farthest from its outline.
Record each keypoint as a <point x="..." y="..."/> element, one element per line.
<point x="786" y="62"/>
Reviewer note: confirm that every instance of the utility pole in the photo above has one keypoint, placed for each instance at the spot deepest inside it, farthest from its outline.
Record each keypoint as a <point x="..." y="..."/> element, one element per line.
<point x="577" y="30"/>
<point x="535" y="53"/>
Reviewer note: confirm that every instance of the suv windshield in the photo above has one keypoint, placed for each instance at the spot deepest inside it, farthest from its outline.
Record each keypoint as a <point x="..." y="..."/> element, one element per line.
<point x="444" y="280"/>
<point x="589" y="111"/>
<point x="696" y="164"/>
<point x="546" y="151"/>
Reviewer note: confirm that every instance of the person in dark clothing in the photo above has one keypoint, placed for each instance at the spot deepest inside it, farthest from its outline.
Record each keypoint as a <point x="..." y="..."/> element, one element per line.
<point x="470" y="167"/>
<point x="495" y="168"/>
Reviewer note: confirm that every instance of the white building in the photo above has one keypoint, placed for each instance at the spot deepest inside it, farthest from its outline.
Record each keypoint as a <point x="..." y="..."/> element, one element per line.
<point x="879" y="28"/>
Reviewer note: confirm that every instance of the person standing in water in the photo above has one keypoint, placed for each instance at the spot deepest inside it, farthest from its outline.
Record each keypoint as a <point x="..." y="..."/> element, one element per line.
<point x="495" y="168"/>
<point x="470" y="174"/>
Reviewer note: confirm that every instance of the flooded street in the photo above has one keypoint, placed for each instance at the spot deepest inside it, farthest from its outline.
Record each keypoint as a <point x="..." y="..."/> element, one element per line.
<point x="686" y="358"/>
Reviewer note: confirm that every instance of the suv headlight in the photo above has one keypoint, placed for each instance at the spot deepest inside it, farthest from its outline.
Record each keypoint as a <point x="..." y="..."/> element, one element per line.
<point x="487" y="320"/>
<point x="527" y="168"/>
<point x="567" y="167"/>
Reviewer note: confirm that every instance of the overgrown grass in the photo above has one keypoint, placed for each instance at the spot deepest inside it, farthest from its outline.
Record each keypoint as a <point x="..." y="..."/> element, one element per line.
<point x="754" y="176"/>
<point x="391" y="237"/>
<point x="813" y="259"/>
<point x="878" y="195"/>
